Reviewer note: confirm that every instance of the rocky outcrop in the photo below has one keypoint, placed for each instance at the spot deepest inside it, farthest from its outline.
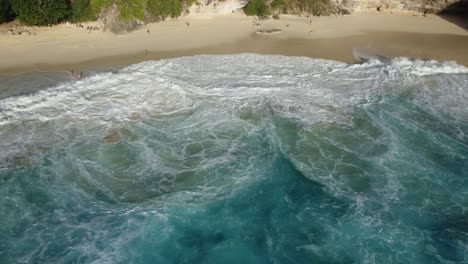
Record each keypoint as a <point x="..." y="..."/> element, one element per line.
<point x="109" y="17"/>
<point x="216" y="7"/>
<point x="342" y="6"/>
<point x="419" y="6"/>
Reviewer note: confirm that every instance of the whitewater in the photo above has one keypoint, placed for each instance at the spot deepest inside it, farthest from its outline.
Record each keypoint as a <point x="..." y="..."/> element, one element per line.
<point x="238" y="158"/>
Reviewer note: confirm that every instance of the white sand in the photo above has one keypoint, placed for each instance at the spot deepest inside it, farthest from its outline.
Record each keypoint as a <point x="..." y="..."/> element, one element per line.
<point x="68" y="44"/>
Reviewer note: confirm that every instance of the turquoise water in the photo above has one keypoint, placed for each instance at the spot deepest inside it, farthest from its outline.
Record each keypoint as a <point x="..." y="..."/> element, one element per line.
<point x="239" y="159"/>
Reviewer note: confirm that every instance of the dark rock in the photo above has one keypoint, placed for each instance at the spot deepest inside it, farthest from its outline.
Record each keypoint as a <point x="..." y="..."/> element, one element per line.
<point x="268" y="31"/>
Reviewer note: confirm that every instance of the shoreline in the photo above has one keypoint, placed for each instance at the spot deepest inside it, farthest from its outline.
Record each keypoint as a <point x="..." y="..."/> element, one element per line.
<point x="333" y="38"/>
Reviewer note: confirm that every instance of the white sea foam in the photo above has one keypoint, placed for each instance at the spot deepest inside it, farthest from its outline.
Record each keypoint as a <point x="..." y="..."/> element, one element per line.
<point x="292" y="85"/>
<point x="431" y="67"/>
<point x="223" y="98"/>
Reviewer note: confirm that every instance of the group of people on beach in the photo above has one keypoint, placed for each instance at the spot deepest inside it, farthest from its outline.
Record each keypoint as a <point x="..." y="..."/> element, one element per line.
<point x="88" y="28"/>
<point x="15" y="31"/>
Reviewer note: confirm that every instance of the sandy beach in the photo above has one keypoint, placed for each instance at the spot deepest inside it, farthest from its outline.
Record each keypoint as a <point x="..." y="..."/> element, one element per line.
<point x="335" y="37"/>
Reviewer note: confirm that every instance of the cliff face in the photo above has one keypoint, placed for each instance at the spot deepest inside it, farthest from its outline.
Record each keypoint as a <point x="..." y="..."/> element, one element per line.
<point x="421" y="6"/>
<point x="111" y="19"/>
<point x="341" y="6"/>
<point x="207" y="7"/>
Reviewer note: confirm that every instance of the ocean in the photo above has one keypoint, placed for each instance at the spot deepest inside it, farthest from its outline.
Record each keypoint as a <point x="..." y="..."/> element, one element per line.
<point x="237" y="159"/>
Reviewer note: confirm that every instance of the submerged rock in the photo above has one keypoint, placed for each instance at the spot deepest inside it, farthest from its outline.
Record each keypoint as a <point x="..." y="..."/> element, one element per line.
<point x="135" y="117"/>
<point x="112" y="138"/>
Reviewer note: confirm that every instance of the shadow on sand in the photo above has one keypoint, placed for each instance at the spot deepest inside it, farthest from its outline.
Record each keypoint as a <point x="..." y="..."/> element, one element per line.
<point x="456" y="13"/>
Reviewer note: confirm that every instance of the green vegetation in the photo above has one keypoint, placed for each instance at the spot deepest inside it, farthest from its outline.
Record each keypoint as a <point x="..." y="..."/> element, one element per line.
<point x="45" y="12"/>
<point x="6" y="12"/>
<point x="134" y="9"/>
<point x="261" y="8"/>
<point x="80" y="9"/>
<point x="257" y="8"/>
<point x="41" y="12"/>
<point x="278" y="4"/>
<point x="189" y="3"/>
<point x="95" y="8"/>
<point x="314" y="7"/>
<point x="162" y="9"/>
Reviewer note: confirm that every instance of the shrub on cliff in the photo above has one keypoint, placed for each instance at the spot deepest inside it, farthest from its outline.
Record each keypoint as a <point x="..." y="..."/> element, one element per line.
<point x="80" y="10"/>
<point x="315" y="7"/>
<point x="96" y="7"/>
<point x="88" y="10"/>
<point x="6" y="13"/>
<point x="257" y="8"/>
<point x="134" y="9"/>
<point x="41" y="12"/>
<point x="162" y="9"/>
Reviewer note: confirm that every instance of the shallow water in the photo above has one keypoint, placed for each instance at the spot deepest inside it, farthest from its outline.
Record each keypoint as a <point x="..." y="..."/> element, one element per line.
<point x="239" y="158"/>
